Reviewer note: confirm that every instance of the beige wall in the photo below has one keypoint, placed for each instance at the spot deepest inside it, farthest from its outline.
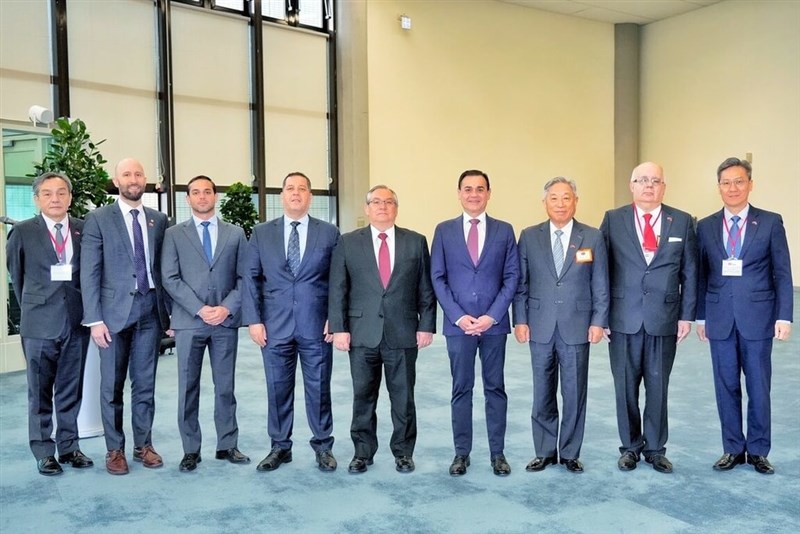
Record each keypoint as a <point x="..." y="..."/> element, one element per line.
<point x="522" y="94"/>
<point x="724" y="81"/>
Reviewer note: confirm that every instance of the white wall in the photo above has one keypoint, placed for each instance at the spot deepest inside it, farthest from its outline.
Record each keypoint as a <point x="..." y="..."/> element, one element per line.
<point x="724" y="81"/>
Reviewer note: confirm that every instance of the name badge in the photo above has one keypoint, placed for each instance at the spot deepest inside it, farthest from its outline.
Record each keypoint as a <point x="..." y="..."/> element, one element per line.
<point x="61" y="273"/>
<point x="732" y="267"/>
<point x="584" y="255"/>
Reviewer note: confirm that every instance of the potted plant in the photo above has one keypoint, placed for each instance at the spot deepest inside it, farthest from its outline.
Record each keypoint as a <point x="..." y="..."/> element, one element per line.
<point x="237" y="207"/>
<point x="73" y="153"/>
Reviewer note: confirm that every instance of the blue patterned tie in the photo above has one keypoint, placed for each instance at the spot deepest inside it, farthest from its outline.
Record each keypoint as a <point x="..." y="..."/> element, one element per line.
<point x="139" y="261"/>
<point x="558" y="252"/>
<point x="61" y="248"/>
<point x="207" y="242"/>
<point x="293" y="250"/>
<point x="735" y="238"/>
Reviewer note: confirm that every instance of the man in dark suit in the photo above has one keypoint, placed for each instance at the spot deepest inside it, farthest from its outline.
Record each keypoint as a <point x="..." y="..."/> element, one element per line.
<point x="124" y="304"/>
<point x="653" y="284"/>
<point x="201" y="267"/>
<point x="475" y="272"/>
<point x="43" y="257"/>
<point x="744" y="299"/>
<point x="382" y="309"/>
<point x="286" y="308"/>
<point x="560" y="308"/>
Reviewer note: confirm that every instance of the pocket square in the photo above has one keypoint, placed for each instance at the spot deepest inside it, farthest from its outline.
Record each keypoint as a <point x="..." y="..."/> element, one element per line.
<point x="674" y="240"/>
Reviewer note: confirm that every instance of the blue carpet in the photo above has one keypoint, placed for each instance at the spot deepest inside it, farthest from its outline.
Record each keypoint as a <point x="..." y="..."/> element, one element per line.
<point x="221" y="497"/>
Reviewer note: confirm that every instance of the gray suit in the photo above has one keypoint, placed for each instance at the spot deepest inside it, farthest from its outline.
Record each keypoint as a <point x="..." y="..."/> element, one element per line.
<point x="53" y="340"/>
<point x="193" y="283"/>
<point x="559" y="309"/>
<point x="647" y="301"/>
<point x="382" y="324"/>
<point x="135" y="321"/>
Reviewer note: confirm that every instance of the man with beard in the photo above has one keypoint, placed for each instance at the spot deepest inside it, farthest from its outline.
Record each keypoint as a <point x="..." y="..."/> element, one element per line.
<point x="124" y="305"/>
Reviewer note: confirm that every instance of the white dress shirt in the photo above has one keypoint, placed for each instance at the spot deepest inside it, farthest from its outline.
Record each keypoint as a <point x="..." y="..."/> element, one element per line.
<point x="144" y="224"/>
<point x="481" y="229"/>
<point x="302" y="232"/>
<point x="213" y="230"/>
<point x="65" y="231"/>
<point x="376" y="243"/>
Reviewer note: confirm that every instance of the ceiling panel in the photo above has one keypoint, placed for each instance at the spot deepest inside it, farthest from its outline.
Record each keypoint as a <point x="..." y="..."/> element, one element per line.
<point x="617" y="11"/>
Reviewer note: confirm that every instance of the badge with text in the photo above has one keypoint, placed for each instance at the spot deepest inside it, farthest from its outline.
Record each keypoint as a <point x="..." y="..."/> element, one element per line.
<point x="732" y="267"/>
<point x="61" y="272"/>
<point x="584" y="255"/>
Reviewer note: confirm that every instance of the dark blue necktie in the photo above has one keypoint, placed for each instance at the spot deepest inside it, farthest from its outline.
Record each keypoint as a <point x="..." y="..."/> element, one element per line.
<point x="735" y="238"/>
<point x="139" y="261"/>
<point x="207" y="242"/>
<point x="293" y="250"/>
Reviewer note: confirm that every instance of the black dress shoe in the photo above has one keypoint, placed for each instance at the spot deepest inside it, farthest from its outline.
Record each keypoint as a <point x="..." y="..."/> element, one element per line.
<point x="728" y="461"/>
<point x="760" y="463"/>
<point x="500" y="465"/>
<point x="326" y="461"/>
<point x="660" y="463"/>
<point x="459" y="465"/>
<point x="48" y="466"/>
<point x="540" y="462"/>
<point x="274" y="459"/>
<point x="628" y="461"/>
<point x="573" y="465"/>
<point x="358" y="465"/>
<point x="233" y="455"/>
<point x="190" y="461"/>
<point x="76" y="459"/>
<point x="404" y="464"/>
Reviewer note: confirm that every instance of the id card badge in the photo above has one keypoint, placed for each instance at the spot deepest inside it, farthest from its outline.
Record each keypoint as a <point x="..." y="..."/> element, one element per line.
<point x="61" y="273"/>
<point x="732" y="267"/>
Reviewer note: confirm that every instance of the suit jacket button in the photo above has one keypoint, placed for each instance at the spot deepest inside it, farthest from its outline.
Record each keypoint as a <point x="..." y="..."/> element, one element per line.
<point x="558" y="284"/>
<point x="132" y="293"/>
<point x="380" y="315"/>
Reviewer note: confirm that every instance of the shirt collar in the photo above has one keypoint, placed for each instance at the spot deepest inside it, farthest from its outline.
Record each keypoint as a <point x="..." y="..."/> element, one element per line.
<point x="655" y="213"/>
<point x="743" y="214"/>
<point x="287" y="221"/>
<point x="126" y="208"/>
<point x="567" y="228"/>
<point x="51" y="223"/>
<point x="389" y="232"/>
<point x="467" y="218"/>
<point x="197" y="220"/>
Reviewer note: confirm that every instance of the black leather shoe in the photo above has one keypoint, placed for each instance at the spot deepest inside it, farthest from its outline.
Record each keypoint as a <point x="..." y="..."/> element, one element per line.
<point x="274" y="459"/>
<point x="459" y="465"/>
<point x="190" y="461"/>
<point x="76" y="459"/>
<point x="404" y="464"/>
<point x="326" y="461"/>
<point x="233" y="455"/>
<point x="500" y="465"/>
<point x="660" y="463"/>
<point x="540" y="462"/>
<point x="628" y="461"/>
<point x="573" y="465"/>
<point x="760" y="463"/>
<point x="48" y="466"/>
<point x="358" y="465"/>
<point x="729" y="461"/>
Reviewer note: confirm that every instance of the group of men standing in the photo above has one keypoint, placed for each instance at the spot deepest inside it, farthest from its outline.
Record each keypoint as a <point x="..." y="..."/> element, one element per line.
<point x="638" y="281"/>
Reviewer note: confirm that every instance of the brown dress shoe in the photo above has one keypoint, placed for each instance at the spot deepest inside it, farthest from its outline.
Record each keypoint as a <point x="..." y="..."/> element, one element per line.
<point x="148" y="456"/>
<point x="116" y="464"/>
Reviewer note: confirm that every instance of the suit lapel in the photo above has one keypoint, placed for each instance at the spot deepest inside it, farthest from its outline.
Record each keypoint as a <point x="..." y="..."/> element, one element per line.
<point x="666" y="223"/>
<point x="190" y="231"/>
<point x="223" y="234"/>
<point x="546" y="245"/>
<point x="311" y="242"/>
<point x="491" y="234"/>
<point x="630" y="225"/>
<point x="575" y="240"/>
<point x="150" y="224"/>
<point x="43" y="235"/>
<point x="718" y="235"/>
<point x="369" y="256"/>
<point x="752" y="229"/>
<point x="121" y="224"/>
<point x="75" y="234"/>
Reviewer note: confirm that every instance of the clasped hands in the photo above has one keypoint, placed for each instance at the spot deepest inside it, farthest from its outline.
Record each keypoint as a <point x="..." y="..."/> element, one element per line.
<point x="475" y="327"/>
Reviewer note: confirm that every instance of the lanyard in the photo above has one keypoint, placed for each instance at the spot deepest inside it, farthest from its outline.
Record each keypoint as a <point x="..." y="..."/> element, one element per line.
<point x="60" y="250"/>
<point x="639" y="223"/>
<point x="732" y="242"/>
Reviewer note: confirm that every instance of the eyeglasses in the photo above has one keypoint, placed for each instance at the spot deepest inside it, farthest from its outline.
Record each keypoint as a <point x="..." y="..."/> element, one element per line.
<point x="378" y="202"/>
<point x="47" y="195"/>
<point x="646" y="180"/>
<point x="738" y="183"/>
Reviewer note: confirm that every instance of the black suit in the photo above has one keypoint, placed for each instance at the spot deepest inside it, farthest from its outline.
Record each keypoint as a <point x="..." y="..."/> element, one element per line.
<point x="383" y="324"/>
<point x="53" y="340"/>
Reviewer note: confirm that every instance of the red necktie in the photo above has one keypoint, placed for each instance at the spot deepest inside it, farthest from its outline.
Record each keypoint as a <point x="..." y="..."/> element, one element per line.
<point x="650" y="244"/>
<point x="472" y="241"/>
<point x="384" y="263"/>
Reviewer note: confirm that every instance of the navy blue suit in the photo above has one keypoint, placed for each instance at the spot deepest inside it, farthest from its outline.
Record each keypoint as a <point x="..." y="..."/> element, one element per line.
<point x="487" y="288"/>
<point x="294" y="311"/>
<point x="740" y="314"/>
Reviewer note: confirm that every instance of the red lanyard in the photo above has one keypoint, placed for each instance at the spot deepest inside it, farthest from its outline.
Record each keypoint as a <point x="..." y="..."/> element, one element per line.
<point x="60" y="251"/>
<point x="732" y="242"/>
<point x="639" y="223"/>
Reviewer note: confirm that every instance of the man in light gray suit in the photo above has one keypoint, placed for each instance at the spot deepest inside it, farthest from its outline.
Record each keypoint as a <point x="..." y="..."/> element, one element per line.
<point x="43" y="255"/>
<point x="382" y="309"/>
<point x="560" y="308"/>
<point x="652" y="265"/>
<point x="201" y="266"/>
<point x="124" y="304"/>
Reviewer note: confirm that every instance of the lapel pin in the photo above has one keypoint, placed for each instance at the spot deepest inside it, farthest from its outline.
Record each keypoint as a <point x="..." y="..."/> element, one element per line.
<point x="669" y="219"/>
